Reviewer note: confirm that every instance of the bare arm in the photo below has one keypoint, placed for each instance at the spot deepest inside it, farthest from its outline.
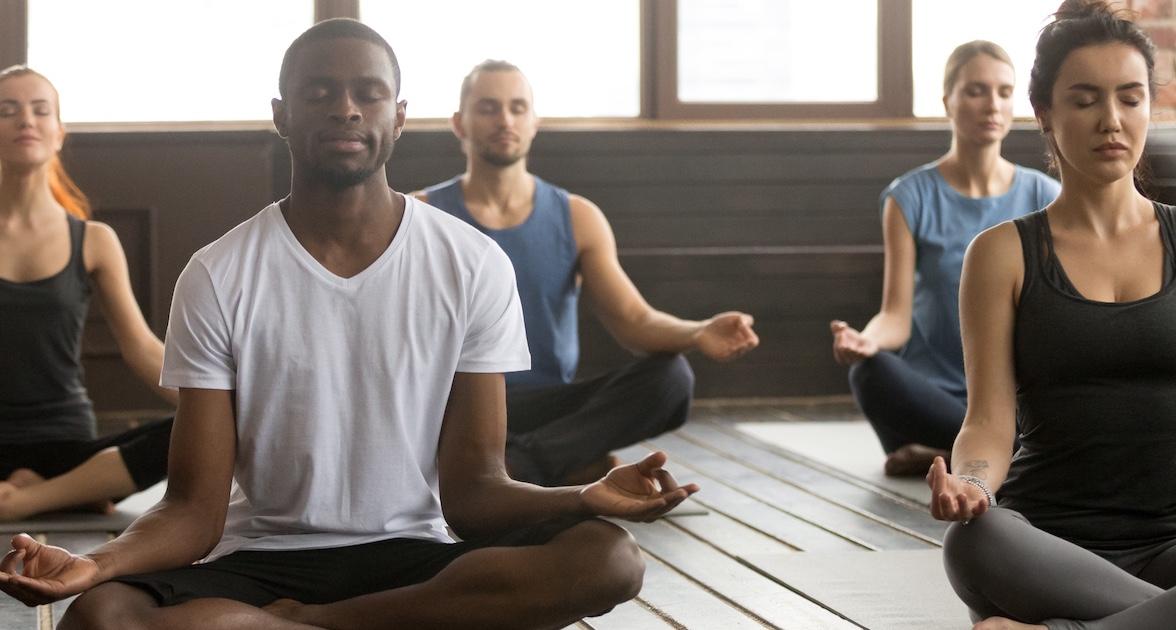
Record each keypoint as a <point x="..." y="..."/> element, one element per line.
<point x="478" y="497"/>
<point x="139" y="346"/>
<point x="991" y="282"/>
<point x="890" y="329"/>
<point x="180" y="529"/>
<point x="628" y="317"/>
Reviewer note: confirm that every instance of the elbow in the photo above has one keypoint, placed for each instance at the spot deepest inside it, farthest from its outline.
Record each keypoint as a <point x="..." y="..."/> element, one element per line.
<point x="463" y="521"/>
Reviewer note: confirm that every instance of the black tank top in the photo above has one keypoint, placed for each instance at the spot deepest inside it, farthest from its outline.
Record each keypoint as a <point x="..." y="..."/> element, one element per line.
<point x="42" y="397"/>
<point x="1096" y="403"/>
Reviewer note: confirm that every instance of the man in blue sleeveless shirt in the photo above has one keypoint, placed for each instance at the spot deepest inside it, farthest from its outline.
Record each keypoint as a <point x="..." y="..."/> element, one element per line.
<point x="560" y="431"/>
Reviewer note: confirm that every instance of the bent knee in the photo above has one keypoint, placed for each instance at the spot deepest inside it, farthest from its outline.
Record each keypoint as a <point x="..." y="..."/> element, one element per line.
<point x="675" y="385"/>
<point x="973" y="552"/>
<point x="110" y="606"/>
<point x="612" y="568"/>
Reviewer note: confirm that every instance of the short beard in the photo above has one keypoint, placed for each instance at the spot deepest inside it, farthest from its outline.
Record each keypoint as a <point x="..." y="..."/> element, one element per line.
<point x="340" y="179"/>
<point x="500" y="160"/>
<point x="337" y="179"/>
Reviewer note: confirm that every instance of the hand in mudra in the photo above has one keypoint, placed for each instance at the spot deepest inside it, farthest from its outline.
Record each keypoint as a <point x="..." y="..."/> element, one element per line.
<point x="642" y="491"/>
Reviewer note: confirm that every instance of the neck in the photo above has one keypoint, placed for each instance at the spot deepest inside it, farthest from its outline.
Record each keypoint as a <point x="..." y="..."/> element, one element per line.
<point x="367" y="211"/>
<point x="24" y="192"/>
<point x="497" y="187"/>
<point x="1105" y="208"/>
<point x="977" y="167"/>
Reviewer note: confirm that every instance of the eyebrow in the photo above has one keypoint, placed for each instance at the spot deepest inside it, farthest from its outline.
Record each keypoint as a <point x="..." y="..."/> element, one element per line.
<point x="12" y="101"/>
<point x="1086" y="87"/>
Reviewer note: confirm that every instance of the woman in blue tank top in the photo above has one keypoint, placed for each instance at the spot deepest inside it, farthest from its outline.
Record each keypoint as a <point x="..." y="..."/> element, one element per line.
<point x="906" y="365"/>
<point x="1069" y="329"/>
<point x="50" y="256"/>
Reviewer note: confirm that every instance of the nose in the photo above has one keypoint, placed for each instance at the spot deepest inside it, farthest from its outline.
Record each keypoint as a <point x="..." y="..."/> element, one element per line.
<point x="505" y="117"/>
<point x="24" y="118"/>
<point x="345" y="109"/>
<point x="1111" y="121"/>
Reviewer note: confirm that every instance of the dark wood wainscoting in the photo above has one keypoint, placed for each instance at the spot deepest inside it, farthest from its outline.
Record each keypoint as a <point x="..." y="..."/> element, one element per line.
<point x="781" y="223"/>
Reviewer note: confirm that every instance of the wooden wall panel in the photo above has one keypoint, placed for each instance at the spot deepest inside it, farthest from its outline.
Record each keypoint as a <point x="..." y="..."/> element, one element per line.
<point x="780" y="222"/>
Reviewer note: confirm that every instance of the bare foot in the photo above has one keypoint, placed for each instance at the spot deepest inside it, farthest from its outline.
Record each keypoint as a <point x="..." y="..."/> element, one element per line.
<point x="592" y="472"/>
<point x="912" y="460"/>
<point x="1000" y="623"/>
<point x="11" y="502"/>
<point x="18" y="502"/>
<point x="23" y="477"/>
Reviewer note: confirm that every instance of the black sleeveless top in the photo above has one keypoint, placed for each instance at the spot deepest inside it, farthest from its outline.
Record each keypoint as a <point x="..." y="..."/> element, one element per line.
<point x="42" y="397"/>
<point x="1096" y="403"/>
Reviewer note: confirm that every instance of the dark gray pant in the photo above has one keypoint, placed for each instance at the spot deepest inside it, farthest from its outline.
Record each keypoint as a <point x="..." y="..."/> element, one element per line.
<point x="552" y="431"/>
<point x="1001" y="565"/>
<point x="902" y="407"/>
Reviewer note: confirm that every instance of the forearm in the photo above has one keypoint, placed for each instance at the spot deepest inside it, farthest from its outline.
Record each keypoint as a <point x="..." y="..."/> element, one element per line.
<point x="497" y="503"/>
<point x="654" y="331"/>
<point x="145" y="360"/>
<point x="167" y="536"/>
<point x="890" y="331"/>
<point x="983" y="452"/>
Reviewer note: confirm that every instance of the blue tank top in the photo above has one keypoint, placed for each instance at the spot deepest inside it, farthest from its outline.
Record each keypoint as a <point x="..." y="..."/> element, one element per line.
<point x="543" y="251"/>
<point x="943" y="222"/>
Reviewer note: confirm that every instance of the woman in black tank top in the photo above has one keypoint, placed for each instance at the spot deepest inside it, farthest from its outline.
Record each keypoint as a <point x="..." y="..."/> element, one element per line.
<point x="50" y="256"/>
<point x="1069" y="330"/>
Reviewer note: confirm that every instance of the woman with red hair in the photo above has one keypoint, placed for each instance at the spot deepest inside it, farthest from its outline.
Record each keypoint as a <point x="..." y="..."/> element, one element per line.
<point x="51" y="259"/>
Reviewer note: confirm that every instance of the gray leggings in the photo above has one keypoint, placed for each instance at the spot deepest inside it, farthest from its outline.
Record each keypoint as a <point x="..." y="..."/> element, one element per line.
<point x="1001" y="565"/>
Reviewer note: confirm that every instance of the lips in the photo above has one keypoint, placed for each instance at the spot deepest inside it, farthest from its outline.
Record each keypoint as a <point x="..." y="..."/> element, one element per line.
<point x="1111" y="146"/>
<point x="344" y="141"/>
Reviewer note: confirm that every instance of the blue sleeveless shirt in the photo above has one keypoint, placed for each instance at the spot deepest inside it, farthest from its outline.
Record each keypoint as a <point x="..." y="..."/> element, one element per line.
<point x="943" y="222"/>
<point x="543" y="251"/>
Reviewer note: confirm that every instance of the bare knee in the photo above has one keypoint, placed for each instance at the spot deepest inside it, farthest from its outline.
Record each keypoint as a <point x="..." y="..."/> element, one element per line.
<point x="110" y="606"/>
<point x="609" y="567"/>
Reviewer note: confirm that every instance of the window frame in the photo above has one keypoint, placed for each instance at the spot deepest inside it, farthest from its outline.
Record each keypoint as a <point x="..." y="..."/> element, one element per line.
<point x="895" y="81"/>
<point x="658" y="71"/>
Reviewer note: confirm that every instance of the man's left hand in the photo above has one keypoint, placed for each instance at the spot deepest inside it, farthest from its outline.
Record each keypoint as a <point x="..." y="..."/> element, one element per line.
<point x="727" y="336"/>
<point x="637" y="492"/>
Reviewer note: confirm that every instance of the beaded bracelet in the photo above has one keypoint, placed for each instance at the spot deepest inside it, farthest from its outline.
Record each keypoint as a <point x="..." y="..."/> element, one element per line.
<point x="979" y="483"/>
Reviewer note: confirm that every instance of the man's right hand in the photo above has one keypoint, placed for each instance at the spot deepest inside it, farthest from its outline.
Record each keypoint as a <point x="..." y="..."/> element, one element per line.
<point x="48" y="573"/>
<point x="951" y="498"/>
<point x="849" y="345"/>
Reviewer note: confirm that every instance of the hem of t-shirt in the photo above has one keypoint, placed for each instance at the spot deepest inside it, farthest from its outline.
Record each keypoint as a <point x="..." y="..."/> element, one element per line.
<point x="228" y="546"/>
<point x="494" y="366"/>
<point x="194" y="381"/>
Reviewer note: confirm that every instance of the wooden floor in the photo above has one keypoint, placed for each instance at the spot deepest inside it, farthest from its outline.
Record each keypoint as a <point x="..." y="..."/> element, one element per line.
<point x="757" y="499"/>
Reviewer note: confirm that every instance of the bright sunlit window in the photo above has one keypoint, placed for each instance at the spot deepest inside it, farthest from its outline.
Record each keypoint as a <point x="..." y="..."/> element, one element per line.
<point x="940" y="25"/>
<point x="777" y="51"/>
<point x="153" y="60"/>
<point x="583" y="57"/>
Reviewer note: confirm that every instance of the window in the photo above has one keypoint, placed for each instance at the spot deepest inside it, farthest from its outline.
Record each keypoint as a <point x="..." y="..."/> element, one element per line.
<point x="782" y="58"/>
<point x="583" y="56"/>
<point x="146" y="60"/>
<point x="784" y="52"/>
<point x="937" y="28"/>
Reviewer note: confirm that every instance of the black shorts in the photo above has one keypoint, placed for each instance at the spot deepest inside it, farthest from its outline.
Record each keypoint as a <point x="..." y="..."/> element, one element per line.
<point x="320" y="576"/>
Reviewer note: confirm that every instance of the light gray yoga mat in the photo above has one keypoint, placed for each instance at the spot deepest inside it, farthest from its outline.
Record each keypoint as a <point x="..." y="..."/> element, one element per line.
<point x="846" y="446"/>
<point x="880" y="590"/>
<point x="126" y="511"/>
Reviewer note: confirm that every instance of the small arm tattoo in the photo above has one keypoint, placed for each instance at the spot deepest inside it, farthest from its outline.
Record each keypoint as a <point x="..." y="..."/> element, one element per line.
<point x="977" y="468"/>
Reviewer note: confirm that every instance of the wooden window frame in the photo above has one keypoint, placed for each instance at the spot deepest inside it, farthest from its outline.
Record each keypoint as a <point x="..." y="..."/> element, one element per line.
<point x="658" y="72"/>
<point x="895" y="83"/>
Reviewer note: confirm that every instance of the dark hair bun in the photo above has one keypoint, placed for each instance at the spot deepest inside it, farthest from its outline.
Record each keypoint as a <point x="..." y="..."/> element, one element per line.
<point x="1078" y="9"/>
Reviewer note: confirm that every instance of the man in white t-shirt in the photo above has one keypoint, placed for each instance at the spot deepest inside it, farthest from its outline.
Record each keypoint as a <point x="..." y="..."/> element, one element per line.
<point x="339" y="357"/>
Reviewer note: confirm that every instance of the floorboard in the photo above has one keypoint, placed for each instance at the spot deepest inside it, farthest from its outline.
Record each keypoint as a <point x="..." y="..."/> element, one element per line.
<point x="775" y="539"/>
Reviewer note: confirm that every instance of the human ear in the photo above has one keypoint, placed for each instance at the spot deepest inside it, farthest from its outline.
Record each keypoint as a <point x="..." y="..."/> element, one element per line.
<point x="279" y="109"/>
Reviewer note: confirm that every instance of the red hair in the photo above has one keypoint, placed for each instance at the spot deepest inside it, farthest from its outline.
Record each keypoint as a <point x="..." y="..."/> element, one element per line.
<point x="64" y="190"/>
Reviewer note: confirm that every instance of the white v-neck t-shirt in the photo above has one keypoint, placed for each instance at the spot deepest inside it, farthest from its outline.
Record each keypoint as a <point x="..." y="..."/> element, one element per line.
<point x="340" y="383"/>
